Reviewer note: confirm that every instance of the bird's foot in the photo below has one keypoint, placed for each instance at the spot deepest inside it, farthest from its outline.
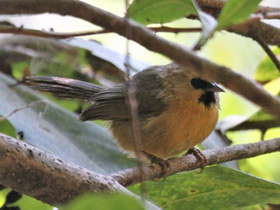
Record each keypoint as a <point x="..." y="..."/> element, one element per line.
<point x="165" y="166"/>
<point x="200" y="156"/>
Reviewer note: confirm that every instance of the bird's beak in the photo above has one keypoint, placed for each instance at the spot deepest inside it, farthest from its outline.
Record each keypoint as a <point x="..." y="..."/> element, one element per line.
<point x="214" y="88"/>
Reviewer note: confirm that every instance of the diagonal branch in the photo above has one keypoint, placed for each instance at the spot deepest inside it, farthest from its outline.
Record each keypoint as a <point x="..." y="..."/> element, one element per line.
<point x="205" y="68"/>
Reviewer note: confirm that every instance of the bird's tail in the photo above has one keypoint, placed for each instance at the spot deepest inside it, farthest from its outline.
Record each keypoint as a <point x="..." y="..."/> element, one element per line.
<point x="63" y="87"/>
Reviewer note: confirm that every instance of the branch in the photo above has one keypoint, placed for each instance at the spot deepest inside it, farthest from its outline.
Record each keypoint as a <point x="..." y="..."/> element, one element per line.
<point x="138" y="33"/>
<point x="30" y="171"/>
<point x="189" y="162"/>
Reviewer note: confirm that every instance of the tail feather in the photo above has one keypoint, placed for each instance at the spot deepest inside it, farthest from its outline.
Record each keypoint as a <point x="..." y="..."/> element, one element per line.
<point x="63" y="87"/>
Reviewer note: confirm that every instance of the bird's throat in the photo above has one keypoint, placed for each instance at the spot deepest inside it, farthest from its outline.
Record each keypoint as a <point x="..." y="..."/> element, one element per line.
<point x="207" y="99"/>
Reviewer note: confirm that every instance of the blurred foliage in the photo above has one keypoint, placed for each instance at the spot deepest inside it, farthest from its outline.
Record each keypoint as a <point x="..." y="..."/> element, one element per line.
<point x="90" y="146"/>
<point x="266" y="70"/>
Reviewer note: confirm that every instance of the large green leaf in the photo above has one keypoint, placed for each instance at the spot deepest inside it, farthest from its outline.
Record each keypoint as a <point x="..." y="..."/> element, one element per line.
<point x="104" y="202"/>
<point x="236" y="11"/>
<point x="160" y="11"/>
<point x="216" y="188"/>
<point x="266" y="70"/>
<point x="58" y="131"/>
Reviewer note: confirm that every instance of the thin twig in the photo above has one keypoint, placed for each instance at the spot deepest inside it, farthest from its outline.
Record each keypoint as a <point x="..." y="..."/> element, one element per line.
<point x="268" y="51"/>
<point x="47" y="34"/>
<point x="133" y="105"/>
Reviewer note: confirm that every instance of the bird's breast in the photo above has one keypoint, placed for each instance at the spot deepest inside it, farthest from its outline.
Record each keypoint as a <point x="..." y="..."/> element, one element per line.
<point x="180" y="127"/>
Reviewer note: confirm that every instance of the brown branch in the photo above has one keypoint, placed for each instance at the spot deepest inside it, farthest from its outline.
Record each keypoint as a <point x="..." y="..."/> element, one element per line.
<point x="268" y="51"/>
<point x="33" y="172"/>
<point x="50" y="34"/>
<point x="189" y="162"/>
<point x="206" y="69"/>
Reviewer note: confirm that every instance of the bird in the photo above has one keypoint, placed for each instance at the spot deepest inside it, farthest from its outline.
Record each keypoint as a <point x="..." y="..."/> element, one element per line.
<point x="176" y="108"/>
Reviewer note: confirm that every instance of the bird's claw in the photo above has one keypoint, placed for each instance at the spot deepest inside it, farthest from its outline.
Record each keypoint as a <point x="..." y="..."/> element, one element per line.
<point x="165" y="166"/>
<point x="200" y="156"/>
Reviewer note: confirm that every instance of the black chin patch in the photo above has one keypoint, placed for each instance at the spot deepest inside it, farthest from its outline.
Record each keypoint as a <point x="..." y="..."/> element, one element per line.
<point x="207" y="99"/>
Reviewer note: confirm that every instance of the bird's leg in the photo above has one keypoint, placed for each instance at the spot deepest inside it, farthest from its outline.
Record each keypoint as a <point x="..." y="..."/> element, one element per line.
<point x="162" y="163"/>
<point x="198" y="154"/>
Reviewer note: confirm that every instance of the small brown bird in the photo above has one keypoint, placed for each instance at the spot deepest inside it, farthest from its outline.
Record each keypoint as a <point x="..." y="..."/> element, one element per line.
<point x="176" y="109"/>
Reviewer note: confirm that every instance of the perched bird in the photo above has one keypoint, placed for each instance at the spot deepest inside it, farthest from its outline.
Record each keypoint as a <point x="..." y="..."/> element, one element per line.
<point x="176" y="109"/>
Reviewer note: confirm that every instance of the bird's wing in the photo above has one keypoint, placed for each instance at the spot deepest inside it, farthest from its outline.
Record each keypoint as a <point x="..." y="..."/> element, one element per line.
<point x="107" y="105"/>
<point x="111" y="104"/>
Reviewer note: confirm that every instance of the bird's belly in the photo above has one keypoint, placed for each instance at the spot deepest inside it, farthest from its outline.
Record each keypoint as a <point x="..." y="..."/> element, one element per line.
<point x="170" y="133"/>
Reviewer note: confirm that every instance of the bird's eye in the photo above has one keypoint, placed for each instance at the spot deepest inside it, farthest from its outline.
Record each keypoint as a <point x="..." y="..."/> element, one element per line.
<point x="198" y="83"/>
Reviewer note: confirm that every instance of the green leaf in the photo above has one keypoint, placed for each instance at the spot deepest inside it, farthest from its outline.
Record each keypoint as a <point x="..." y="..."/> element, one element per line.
<point x="160" y="11"/>
<point x="58" y="131"/>
<point x="266" y="70"/>
<point x="104" y="202"/>
<point x="27" y="203"/>
<point x="215" y="188"/>
<point x="236" y="11"/>
<point x="7" y="128"/>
